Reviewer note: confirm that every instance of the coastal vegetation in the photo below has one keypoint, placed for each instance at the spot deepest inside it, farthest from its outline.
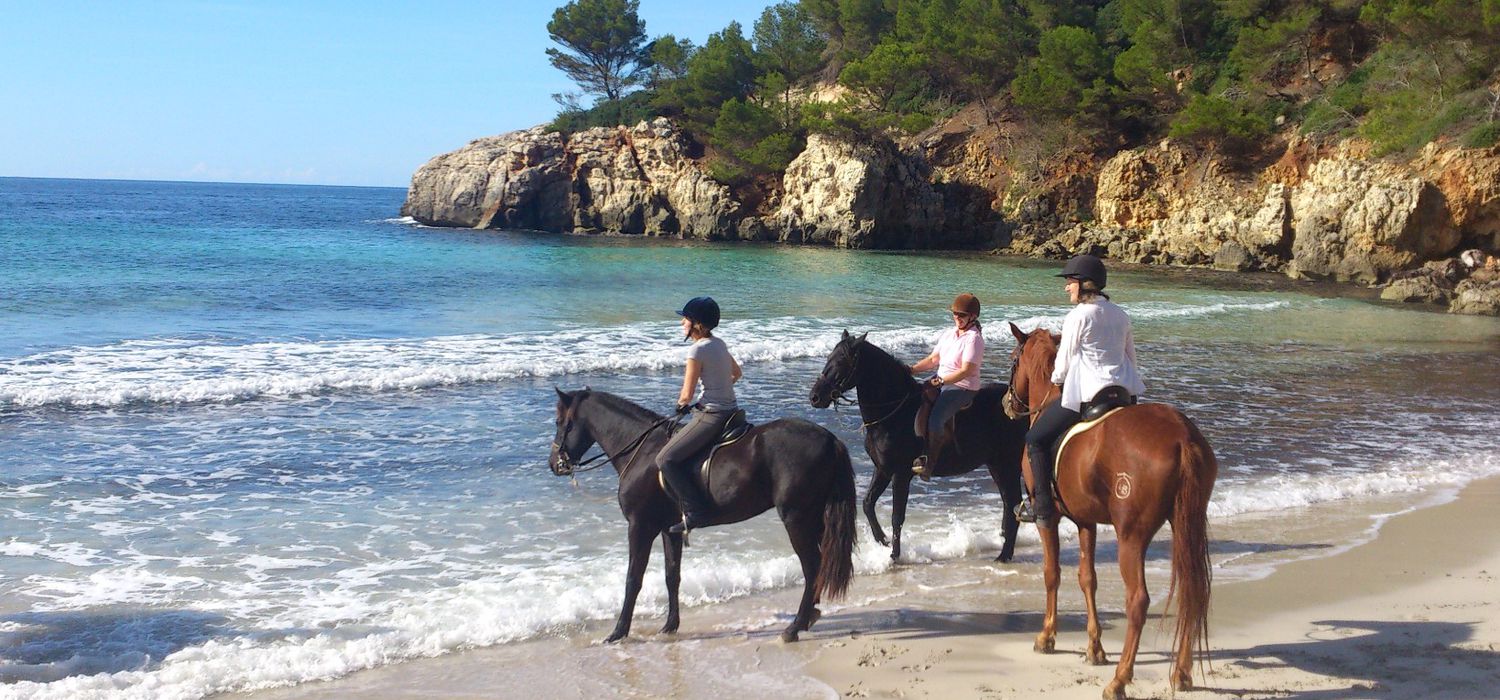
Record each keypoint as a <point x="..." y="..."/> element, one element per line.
<point x="1099" y="75"/>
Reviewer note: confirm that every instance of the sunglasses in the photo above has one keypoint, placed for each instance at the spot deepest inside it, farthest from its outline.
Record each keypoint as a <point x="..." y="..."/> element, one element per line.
<point x="960" y="314"/>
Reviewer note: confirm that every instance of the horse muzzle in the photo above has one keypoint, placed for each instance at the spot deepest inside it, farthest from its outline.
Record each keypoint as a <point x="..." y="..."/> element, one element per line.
<point x="822" y="394"/>
<point x="559" y="461"/>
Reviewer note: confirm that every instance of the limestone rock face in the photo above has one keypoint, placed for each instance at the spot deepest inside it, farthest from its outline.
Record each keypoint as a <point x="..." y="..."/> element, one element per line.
<point x="518" y="180"/>
<point x="637" y="180"/>
<point x="858" y="195"/>
<point x="1360" y="220"/>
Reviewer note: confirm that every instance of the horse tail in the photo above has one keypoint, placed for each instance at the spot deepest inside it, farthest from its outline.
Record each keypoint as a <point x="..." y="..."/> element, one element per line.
<point x="1192" y="572"/>
<point x="838" y="529"/>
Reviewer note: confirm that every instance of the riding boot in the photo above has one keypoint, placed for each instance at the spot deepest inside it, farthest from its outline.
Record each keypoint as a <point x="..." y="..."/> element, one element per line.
<point x="1041" y="507"/>
<point x="695" y="505"/>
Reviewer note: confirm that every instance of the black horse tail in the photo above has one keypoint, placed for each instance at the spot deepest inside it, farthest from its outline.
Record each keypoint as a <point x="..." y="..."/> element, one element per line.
<point x="837" y="547"/>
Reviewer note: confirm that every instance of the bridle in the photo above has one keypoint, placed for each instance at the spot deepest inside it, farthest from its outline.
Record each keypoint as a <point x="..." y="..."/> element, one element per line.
<point x="565" y="465"/>
<point x="836" y="393"/>
<point x="1012" y="403"/>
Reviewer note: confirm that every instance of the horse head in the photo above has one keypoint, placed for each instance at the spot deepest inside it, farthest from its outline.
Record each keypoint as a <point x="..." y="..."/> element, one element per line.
<point x="840" y="373"/>
<point x="1030" y="371"/>
<point x="572" y="438"/>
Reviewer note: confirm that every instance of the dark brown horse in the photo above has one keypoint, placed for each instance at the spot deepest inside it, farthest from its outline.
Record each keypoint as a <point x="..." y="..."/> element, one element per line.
<point x="1144" y="466"/>
<point x="888" y="402"/>
<point x="797" y="467"/>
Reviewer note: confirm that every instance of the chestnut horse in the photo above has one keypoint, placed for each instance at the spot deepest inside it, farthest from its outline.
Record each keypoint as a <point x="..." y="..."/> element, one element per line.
<point x="1145" y="465"/>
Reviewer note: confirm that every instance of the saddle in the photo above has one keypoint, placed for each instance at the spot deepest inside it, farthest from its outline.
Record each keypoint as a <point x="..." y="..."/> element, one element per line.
<point x="734" y="429"/>
<point x="930" y="396"/>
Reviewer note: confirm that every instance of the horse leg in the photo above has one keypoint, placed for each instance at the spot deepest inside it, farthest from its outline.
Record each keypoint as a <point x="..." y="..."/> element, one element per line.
<point x="1010" y="495"/>
<point x="671" y="546"/>
<point x="1089" y="582"/>
<point x="1137" y="600"/>
<point x="805" y="529"/>
<point x="899" y="492"/>
<point x="640" y="553"/>
<point x="878" y="483"/>
<point x="1046" y="640"/>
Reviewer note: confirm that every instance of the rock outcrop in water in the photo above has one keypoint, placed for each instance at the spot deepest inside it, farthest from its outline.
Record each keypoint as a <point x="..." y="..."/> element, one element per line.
<point x="1323" y="211"/>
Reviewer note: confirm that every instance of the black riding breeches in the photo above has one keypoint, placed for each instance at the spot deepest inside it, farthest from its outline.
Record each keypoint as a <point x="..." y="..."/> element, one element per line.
<point x="1049" y="426"/>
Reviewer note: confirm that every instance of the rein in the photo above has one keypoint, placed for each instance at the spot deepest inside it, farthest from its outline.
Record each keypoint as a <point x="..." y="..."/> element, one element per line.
<point x="836" y="396"/>
<point x="567" y="467"/>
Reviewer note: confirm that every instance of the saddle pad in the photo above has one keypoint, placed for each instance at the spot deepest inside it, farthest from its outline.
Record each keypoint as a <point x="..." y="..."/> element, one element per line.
<point x="1078" y="429"/>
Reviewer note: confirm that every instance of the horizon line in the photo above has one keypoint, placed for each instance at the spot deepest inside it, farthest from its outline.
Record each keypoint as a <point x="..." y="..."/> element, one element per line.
<point x="198" y="182"/>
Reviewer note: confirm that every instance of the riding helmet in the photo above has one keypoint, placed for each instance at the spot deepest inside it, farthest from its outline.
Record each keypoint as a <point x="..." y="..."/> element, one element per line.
<point x="966" y="303"/>
<point x="1085" y="267"/>
<point x="703" y="311"/>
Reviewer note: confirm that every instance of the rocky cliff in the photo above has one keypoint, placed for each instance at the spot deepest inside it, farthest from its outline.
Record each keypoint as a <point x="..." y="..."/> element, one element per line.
<point x="1320" y="210"/>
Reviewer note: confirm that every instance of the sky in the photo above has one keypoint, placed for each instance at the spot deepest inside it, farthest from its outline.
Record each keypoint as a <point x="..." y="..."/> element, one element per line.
<point x="331" y="92"/>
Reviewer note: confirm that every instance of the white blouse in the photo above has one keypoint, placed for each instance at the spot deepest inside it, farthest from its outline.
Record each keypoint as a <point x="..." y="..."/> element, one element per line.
<point x="1097" y="350"/>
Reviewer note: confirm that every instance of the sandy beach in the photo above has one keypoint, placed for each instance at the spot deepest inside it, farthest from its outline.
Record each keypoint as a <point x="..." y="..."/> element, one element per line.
<point x="1411" y="612"/>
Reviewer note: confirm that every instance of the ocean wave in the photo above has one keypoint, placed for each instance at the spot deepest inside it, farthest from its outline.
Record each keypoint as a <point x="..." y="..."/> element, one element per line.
<point x="511" y="602"/>
<point x="181" y="371"/>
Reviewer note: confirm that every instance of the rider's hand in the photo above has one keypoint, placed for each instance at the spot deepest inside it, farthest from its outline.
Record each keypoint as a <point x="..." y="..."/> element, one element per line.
<point x="936" y="380"/>
<point x="683" y="408"/>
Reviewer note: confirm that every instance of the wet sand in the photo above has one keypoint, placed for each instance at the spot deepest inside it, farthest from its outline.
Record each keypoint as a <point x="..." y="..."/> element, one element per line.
<point x="1411" y="612"/>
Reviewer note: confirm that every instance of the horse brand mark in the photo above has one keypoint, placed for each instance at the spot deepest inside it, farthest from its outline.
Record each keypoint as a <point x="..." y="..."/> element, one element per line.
<point x="1122" y="486"/>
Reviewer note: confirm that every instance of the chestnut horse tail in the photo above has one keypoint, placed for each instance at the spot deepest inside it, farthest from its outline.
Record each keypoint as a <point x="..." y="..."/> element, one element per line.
<point x="1192" y="573"/>
<point x="838" y="530"/>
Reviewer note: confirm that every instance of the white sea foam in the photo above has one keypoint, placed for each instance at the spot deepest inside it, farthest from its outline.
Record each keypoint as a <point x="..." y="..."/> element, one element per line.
<point x="170" y="371"/>
<point x="511" y="602"/>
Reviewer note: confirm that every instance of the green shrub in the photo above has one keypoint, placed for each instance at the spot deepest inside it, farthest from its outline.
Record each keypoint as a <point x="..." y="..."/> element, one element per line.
<point x="1220" y="122"/>
<point x="1483" y="136"/>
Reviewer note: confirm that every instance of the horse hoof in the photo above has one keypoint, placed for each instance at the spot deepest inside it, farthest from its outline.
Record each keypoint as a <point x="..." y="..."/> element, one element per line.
<point x="1097" y="658"/>
<point x="1004" y="558"/>
<point x="1044" y="645"/>
<point x="1114" y="691"/>
<point x="1183" y="683"/>
<point x="669" y="628"/>
<point x="611" y="639"/>
<point x="789" y="636"/>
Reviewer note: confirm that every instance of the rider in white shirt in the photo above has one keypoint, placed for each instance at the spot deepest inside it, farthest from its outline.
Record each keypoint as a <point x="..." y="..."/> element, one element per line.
<point x="1097" y="351"/>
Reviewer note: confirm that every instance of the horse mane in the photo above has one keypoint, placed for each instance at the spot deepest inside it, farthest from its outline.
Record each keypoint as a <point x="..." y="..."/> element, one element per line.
<point x="880" y="355"/>
<point x="620" y="404"/>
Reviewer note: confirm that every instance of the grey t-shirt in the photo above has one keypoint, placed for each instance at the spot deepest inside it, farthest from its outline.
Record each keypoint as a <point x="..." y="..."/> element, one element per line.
<point x="717" y="376"/>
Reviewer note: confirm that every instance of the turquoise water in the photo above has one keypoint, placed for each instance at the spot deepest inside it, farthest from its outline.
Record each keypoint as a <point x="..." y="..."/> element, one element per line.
<point x="257" y="435"/>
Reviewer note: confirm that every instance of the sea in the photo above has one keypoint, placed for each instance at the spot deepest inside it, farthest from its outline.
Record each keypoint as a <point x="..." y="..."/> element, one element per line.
<point x="258" y="436"/>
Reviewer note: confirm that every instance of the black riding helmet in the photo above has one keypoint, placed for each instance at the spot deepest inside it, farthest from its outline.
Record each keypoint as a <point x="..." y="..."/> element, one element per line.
<point x="703" y="311"/>
<point x="1085" y="267"/>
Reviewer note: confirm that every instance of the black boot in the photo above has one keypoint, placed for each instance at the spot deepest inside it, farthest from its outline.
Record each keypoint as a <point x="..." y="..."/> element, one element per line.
<point x="1040" y="508"/>
<point x="696" y="508"/>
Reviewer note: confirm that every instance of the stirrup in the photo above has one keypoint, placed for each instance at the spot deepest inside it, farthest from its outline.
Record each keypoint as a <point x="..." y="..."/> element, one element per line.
<point x="1024" y="512"/>
<point x="920" y="468"/>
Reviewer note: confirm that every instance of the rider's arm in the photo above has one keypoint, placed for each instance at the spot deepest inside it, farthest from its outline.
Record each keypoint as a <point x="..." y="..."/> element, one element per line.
<point x="734" y="370"/>
<point x="970" y="369"/>
<point x="689" y="382"/>
<point x="1072" y="329"/>
<point x="925" y="363"/>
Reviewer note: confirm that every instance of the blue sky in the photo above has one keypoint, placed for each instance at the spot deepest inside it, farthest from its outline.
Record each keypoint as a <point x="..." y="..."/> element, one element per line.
<point x="343" y="93"/>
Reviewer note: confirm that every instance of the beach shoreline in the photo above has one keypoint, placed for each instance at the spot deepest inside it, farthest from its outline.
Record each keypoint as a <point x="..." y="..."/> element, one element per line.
<point x="1408" y="613"/>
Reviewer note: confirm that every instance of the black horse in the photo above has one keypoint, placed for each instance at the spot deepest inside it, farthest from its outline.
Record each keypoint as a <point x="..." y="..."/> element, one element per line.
<point x="888" y="401"/>
<point x="796" y="466"/>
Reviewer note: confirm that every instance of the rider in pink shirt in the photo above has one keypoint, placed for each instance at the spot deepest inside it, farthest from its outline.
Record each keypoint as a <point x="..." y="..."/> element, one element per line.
<point x="957" y="357"/>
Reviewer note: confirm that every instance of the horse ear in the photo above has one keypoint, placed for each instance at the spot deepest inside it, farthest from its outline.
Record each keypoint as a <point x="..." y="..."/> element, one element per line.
<point x="864" y="335"/>
<point x="1016" y="331"/>
<point x="562" y="396"/>
<point x="846" y="334"/>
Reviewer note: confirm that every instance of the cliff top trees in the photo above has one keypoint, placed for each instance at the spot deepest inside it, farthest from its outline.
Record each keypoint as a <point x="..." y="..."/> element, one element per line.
<point x="605" y="42"/>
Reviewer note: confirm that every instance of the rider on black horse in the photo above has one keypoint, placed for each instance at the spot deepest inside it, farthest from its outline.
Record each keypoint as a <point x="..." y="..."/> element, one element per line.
<point x="957" y="357"/>
<point x="1097" y="351"/>
<point x="710" y="364"/>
